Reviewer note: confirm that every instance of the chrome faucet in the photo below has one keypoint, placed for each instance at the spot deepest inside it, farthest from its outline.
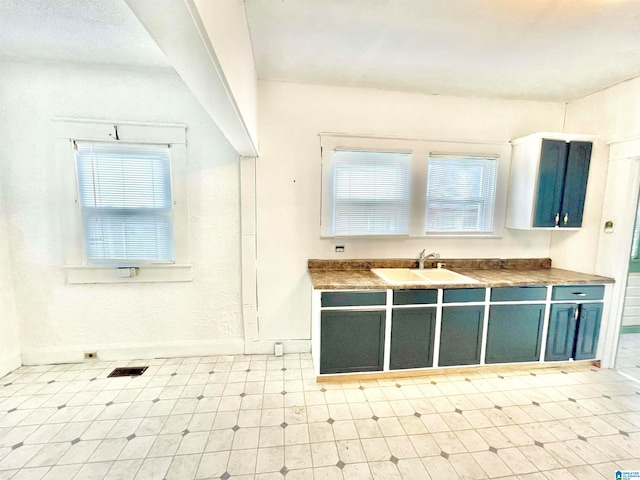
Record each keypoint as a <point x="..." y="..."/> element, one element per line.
<point x="422" y="257"/>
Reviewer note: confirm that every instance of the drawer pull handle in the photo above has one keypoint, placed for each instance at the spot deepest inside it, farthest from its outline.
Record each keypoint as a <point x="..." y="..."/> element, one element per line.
<point x="580" y="294"/>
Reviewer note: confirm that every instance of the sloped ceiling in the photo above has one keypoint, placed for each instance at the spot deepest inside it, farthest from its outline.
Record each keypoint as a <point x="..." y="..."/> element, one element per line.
<point x="556" y="50"/>
<point x="527" y="49"/>
<point x="83" y="31"/>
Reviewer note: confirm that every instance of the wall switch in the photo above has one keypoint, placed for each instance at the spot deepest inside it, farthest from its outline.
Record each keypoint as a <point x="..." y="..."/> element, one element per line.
<point x="339" y="248"/>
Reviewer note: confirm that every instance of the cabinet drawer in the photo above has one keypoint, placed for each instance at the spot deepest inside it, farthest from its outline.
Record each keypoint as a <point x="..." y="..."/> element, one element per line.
<point x="353" y="299"/>
<point x="414" y="297"/>
<point x="515" y="294"/>
<point x="578" y="292"/>
<point x="454" y="295"/>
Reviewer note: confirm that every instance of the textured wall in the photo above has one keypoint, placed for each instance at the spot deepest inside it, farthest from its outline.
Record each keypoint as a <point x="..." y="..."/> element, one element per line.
<point x="611" y="114"/>
<point x="9" y="341"/>
<point x="288" y="181"/>
<point x="57" y="318"/>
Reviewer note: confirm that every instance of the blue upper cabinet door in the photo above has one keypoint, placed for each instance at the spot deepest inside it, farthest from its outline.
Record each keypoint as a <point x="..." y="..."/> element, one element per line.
<point x="551" y="177"/>
<point x="575" y="184"/>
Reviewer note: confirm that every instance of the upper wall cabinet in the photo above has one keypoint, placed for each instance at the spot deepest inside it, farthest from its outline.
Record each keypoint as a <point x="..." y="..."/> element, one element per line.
<point x="549" y="174"/>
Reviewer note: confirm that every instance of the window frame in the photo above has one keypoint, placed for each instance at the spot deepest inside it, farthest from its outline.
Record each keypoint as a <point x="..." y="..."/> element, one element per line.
<point x="94" y="186"/>
<point x="480" y="201"/>
<point x="65" y="131"/>
<point x="420" y="150"/>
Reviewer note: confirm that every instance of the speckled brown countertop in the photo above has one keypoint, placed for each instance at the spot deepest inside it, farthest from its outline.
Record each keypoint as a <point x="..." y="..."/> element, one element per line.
<point x="356" y="274"/>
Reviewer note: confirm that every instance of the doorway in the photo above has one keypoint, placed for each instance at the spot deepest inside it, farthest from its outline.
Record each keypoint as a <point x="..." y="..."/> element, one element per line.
<point x="628" y="356"/>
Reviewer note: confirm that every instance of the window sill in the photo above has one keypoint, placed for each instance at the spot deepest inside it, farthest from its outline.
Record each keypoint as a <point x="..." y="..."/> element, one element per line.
<point x="80" y="274"/>
<point x="429" y="235"/>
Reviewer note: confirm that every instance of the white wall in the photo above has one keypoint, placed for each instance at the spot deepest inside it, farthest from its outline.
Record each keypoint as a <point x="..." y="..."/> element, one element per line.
<point x="9" y="340"/>
<point x="611" y="114"/>
<point x="59" y="321"/>
<point x="226" y="25"/>
<point x="614" y="115"/>
<point x="288" y="181"/>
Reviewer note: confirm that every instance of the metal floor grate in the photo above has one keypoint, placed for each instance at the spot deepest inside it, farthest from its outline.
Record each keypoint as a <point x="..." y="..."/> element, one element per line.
<point x="127" y="372"/>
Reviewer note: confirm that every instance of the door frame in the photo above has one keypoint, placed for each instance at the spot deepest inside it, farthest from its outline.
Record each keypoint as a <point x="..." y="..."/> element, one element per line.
<point x="612" y="260"/>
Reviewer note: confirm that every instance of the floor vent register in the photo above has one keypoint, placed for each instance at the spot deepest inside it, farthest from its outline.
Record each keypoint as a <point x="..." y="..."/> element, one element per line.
<point x="127" y="372"/>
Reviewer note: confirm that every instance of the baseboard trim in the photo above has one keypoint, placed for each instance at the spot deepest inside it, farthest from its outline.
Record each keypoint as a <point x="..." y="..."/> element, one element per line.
<point x="629" y="329"/>
<point x="267" y="347"/>
<point x="9" y="362"/>
<point x="141" y="351"/>
<point x="136" y="351"/>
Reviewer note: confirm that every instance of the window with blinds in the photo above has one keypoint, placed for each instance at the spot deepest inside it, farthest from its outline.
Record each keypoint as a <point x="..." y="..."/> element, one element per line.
<point x="461" y="192"/>
<point x="371" y="193"/>
<point x="126" y="203"/>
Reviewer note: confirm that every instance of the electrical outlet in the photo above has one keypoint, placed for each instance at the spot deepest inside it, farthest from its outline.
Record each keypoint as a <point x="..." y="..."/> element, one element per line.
<point x="90" y="355"/>
<point x="339" y="248"/>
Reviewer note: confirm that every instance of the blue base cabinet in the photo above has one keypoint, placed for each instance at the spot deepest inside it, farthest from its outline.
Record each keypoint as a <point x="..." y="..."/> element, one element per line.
<point x="393" y="330"/>
<point x="562" y="332"/>
<point x="412" y="337"/>
<point x="588" y="331"/>
<point x="461" y="335"/>
<point x="514" y="333"/>
<point x="573" y="331"/>
<point x="351" y="341"/>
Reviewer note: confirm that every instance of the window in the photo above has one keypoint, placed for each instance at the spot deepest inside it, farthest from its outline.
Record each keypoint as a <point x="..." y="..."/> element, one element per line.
<point x="382" y="186"/>
<point x="461" y="194"/>
<point x="123" y="200"/>
<point x="371" y="193"/>
<point x="126" y="203"/>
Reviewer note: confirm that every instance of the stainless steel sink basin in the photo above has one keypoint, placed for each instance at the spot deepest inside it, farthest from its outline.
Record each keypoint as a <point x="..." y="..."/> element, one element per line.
<point x="421" y="276"/>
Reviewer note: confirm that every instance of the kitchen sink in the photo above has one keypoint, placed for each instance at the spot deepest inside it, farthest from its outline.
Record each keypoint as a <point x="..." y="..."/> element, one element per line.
<point x="421" y="276"/>
<point x="399" y="275"/>
<point x="445" y="276"/>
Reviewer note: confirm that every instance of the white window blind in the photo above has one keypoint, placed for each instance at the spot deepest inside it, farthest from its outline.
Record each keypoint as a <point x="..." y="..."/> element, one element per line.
<point x="371" y="192"/>
<point x="126" y="203"/>
<point x="461" y="193"/>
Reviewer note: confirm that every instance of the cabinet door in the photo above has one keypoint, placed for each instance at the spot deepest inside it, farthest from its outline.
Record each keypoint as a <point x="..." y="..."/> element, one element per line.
<point x="575" y="184"/>
<point x="351" y="341"/>
<point x="588" y="331"/>
<point x="551" y="175"/>
<point x="461" y="335"/>
<point x="562" y="332"/>
<point x="514" y="333"/>
<point x="412" y="331"/>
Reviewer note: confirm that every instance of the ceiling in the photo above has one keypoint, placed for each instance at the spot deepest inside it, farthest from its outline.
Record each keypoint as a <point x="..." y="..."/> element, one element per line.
<point x="527" y="49"/>
<point x="85" y="31"/>
<point x="555" y="50"/>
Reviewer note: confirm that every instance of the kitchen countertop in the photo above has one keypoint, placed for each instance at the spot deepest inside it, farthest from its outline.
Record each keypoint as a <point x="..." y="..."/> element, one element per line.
<point x="357" y="275"/>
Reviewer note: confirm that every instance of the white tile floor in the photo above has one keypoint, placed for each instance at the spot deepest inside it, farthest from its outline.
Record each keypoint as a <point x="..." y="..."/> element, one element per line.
<point x="628" y="360"/>
<point x="265" y="417"/>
